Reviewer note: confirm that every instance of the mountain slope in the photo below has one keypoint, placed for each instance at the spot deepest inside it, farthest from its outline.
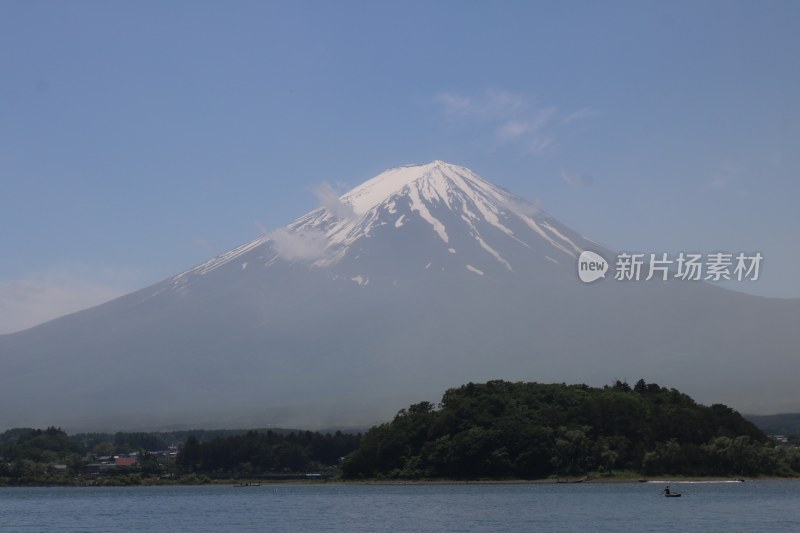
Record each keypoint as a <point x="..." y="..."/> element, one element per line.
<point x="421" y="278"/>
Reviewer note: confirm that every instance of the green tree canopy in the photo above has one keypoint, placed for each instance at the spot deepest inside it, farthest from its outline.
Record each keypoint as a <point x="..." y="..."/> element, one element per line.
<point x="501" y="429"/>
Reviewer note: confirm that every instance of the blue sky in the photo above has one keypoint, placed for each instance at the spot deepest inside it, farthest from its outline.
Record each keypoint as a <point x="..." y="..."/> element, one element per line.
<point x="140" y="138"/>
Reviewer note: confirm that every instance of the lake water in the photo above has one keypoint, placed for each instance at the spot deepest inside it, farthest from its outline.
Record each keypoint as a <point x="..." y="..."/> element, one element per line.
<point x="707" y="507"/>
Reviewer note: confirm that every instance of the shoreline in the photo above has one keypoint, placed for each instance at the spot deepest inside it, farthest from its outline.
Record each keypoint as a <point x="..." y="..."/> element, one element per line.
<point x="593" y="481"/>
<point x="248" y="483"/>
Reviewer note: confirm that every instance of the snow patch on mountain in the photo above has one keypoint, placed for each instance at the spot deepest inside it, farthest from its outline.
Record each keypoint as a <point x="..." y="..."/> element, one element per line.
<point x="418" y="206"/>
<point x="475" y="270"/>
<point x="535" y="227"/>
<point x="361" y="280"/>
<point x="493" y="252"/>
<point x="213" y="264"/>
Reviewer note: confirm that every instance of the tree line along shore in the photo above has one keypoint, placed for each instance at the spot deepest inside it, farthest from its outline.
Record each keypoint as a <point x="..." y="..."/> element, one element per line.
<point x="499" y="430"/>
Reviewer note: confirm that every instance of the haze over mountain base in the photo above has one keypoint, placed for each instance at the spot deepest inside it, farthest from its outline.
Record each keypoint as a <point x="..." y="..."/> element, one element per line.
<point x="423" y="278"/>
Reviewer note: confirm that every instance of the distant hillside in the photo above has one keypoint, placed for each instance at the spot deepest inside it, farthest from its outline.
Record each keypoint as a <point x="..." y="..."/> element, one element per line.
<point x="127" y="441"/>
<point x="783" y="424"/>
<point x="530" y="430"/>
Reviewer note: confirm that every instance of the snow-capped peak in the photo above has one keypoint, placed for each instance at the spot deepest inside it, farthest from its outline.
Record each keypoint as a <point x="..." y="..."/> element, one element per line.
<point x="441" y="194"/>
<point x="448" y="203"/>
<point x="436" y="180"/>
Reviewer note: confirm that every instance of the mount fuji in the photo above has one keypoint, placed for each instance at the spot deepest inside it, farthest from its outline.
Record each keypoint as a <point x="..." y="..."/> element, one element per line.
<point x="421" y="278"/>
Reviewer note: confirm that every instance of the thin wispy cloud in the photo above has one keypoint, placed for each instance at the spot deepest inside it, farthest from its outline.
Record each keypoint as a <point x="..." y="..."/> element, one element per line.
<point x="310" y="245"/>
<point x="727" y="179"/>
<point x="718" y="182"/>
<point x="328" y="198"/>
<point x="512" y="129"/>
<point x="579" y="115"/>
<point x="577" y="181"/>
<point x="38" y="298"/>
<point x="455" y="104"/>
<point x="510" y="119"/>
<point x="299" y="246"/>
<point x="261" y="227"/>
<point x="524" y="207"/>
<point x="493" y="105"/>
<point x="204" y="244"/>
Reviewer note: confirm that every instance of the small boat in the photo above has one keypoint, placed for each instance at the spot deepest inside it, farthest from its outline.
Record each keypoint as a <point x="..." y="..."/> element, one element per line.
<point x="673" y="495"/>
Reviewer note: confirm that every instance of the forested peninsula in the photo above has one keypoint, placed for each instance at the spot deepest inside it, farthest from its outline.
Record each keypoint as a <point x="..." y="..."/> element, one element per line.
<point x="504" y="430"/>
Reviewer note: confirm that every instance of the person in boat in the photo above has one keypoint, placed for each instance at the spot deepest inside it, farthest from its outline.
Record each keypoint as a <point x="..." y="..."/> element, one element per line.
<point x="667" y="491"/>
